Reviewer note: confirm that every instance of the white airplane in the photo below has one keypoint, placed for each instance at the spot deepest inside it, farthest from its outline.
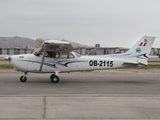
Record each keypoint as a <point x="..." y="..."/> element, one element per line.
<point x="56" y="57"/>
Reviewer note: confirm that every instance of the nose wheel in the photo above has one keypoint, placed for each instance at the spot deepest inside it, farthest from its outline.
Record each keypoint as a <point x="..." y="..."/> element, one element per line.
<point x="54" y="78"/>
<point x="23" y="78"/>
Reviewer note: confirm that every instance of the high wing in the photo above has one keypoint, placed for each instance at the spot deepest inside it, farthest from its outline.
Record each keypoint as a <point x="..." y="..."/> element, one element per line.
<point x="55" y="46"/>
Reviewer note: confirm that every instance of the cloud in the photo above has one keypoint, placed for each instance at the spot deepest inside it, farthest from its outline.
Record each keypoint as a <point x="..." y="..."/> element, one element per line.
<point x="108" y="22"/>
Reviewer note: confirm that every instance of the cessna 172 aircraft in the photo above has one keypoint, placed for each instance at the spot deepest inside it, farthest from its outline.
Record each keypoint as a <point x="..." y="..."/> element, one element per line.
<point x="55" y="56"/>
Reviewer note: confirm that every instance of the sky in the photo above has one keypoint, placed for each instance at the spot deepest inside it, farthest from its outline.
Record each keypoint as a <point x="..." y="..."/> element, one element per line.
<point x="111" y="23"/>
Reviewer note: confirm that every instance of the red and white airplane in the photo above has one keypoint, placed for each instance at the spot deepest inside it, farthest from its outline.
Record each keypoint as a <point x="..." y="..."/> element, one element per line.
<point x="56" y="57"/>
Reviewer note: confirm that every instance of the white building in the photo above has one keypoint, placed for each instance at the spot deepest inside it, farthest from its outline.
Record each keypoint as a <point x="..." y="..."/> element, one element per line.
<point x="14" y="51"/>
<point x="81" y="51"/>
<point x="11" y="51"/>
<point x="4" y="51"/>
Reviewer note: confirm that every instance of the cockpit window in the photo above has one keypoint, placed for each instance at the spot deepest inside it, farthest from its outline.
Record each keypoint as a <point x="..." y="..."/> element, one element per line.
<point x="78" y="55"/>
<point x="67" y="56"/>
<point x="38" y="52"/>
<point x="48" y="54"/>
<point x="71" y="56"/>
<point x="51" y="54"/>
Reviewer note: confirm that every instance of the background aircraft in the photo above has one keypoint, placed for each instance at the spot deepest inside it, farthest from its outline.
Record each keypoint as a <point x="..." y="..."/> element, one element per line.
<point x="56" y="57"/>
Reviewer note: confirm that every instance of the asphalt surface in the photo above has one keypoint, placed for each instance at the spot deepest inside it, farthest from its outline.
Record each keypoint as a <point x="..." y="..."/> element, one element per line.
<point x="89" y="95"/>
<point x="81" y="83"/>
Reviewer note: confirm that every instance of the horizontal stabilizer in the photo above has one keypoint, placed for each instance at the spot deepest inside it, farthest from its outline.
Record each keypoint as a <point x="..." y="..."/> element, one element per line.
<point x="136" y="62"/>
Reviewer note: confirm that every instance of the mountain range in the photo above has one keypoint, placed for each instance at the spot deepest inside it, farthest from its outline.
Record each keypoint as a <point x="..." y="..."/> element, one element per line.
<point x="24" y="42"/>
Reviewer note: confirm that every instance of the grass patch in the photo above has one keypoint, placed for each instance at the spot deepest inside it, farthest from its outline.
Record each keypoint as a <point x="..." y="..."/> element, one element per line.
<point x="6" y="66"/>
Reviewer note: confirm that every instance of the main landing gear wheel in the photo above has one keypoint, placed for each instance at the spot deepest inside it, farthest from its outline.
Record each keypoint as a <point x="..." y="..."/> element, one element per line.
<point x="23" y="78"/>
<point x="54" y="78"/>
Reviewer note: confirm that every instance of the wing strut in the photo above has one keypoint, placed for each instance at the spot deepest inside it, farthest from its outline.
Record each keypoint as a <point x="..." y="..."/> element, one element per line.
<point x="44" y="52"/>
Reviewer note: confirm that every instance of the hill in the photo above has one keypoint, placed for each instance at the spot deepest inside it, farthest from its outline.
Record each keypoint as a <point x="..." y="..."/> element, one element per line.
<point x="20" y="42"/>
<point x="23" y="42"/>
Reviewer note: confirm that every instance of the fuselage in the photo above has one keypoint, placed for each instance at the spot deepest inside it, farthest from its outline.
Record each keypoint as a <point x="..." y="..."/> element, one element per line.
<point x="32" y="63"/>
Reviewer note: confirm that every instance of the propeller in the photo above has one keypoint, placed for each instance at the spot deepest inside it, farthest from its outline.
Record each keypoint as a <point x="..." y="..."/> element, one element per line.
<point x="8" y="58"/>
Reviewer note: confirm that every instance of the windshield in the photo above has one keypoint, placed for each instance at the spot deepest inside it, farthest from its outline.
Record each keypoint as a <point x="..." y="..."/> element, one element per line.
<point x="51" y="54"/>
<point x="78" y="55"/>
<point x="38" y="52"/>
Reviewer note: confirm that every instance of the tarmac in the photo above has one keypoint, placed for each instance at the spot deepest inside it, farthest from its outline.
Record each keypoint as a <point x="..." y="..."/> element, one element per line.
<point x="101" y="95"/>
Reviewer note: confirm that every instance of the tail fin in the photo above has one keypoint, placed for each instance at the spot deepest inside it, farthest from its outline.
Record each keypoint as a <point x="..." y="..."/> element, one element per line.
<point x="142" y="47"/>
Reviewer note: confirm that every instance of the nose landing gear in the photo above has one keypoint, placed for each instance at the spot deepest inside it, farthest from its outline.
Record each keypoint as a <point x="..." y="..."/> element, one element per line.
<point x="23" y="78"/>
